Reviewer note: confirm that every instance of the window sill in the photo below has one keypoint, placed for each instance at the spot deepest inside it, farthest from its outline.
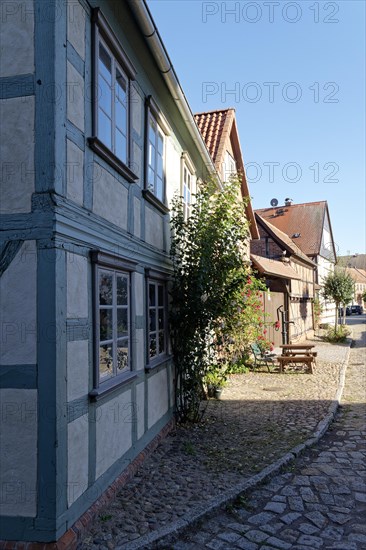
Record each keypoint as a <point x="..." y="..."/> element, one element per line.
<point x="158" y="362"/>
<point x="111" y="385"/>
<point x="106" y="154"/>
<point x="150" y="197"/>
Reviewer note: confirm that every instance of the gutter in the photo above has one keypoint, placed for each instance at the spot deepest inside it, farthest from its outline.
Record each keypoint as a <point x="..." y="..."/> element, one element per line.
<point x="151" y="34"/>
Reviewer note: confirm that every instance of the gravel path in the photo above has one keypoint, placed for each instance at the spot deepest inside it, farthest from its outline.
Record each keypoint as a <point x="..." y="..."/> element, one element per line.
<point x="319" y="502"/>
<point x="260" y="417"/>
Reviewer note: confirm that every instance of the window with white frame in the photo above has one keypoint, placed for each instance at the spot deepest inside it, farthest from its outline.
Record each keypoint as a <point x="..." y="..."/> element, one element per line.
<point x="113" y="72"/>
<point x="157" y="320"/>
<point x="113" y="322"/>
<point x="157" y="131"/>
<point x="112" y="326"/>
<point x="155" y="159"/>
<point x="229" y="166"/>
<point x="188" y="185"/>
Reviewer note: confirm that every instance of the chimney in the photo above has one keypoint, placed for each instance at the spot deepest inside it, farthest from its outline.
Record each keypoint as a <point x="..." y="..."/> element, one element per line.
<point x="288" y="202"/>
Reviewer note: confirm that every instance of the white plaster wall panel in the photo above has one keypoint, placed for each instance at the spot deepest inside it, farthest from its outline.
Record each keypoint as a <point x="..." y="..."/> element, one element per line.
<point x="138" y="285"/>
<point x="77" y="369"/>
<point x="18" y="291"/>
<point x="75" y="97"/>
<point x="137" y="217"/>
<point x="77" y="285"/>
<point x="113" y="431"/>
<point x="154" y="228"/>
<point x="110" y="199"/>
<point x="140" y="412"/>
<point x="137" y="111"/>
<point x="172" y="170"/>
<point x="17" y="38"/>
<point x="18" y="457"/>
<point x="157" y="397"/>
<point x="75" y="173"/>
<point x="76" y="26"/>
<point x="77" y="458"/>
<point x="16" y="154"/>
<point x="140" y="349"/>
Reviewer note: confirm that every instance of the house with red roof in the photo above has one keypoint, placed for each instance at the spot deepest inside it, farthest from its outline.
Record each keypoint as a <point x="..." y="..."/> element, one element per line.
<point x="289" y="275"/>
<point x="220" y="133"/>
<point x="308" y="225"/>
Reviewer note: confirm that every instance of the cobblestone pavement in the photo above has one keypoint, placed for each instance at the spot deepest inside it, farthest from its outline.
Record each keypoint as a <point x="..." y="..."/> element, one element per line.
<point x="259" y="419"/>
<point x="319" y="501"/>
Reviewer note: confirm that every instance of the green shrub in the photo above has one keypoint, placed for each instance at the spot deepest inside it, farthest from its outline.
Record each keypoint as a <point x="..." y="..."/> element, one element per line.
<point x="335" y="335"/>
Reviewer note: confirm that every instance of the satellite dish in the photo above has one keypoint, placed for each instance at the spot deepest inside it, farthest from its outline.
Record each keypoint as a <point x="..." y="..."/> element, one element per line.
<point x="274" y="202"/>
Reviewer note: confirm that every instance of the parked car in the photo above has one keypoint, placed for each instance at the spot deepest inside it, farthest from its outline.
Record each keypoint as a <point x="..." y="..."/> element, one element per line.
<point x="348" y="311"/>
<point x="357" y="310"/>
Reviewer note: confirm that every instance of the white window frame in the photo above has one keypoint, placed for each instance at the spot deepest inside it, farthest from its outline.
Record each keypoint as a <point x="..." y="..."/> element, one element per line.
<point x="157" y="278"/>
<point x="158" y="132"/>
<point x="154" y="113"/>
<point x="187" y="169"/>
<point x="229" y="166"/>
<point x="114" y="266"/>
<point x="105" y="37"/>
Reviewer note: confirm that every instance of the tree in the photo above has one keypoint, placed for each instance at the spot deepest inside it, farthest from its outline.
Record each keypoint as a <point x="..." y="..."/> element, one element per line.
<point x="211" y="289"/>
<point x="364" y="296"/>
<point x="340" y="288"/>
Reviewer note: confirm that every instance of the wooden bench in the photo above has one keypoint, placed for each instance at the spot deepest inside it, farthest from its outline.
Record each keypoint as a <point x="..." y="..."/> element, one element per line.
<point x="296" y="359"/>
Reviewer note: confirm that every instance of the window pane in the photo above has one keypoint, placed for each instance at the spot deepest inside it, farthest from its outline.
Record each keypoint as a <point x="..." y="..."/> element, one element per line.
<point x="122" y="322"/>
<point x="105" y="324"/>
<point x="161" y="342"/>
<point x="105" y="288"/>
<point x="152" y="131"/>
<point x="161" y="143"/>
<point x="105" y="64"/>
<point x="159" y="189"/>
<point x="122" y="355"/>
<point x="105" y="96"/>
<point x="121" y="117"/>
<point x="160" y="295"/>
<point x="161" y="318"/>
<point x="104" y="129"/>
<point x="121" y="87"/>
<point x="121" y="146"/>
<point x="151" y="179"/>
<point x="152" y="351"/>
<point x="152" y="155"/>
<point x="152" y="319"/>
<point x="160" y="167"/>
<point x="122" y="290"/>
<point x="151" y="294"/>
<point x="105" y="361"/>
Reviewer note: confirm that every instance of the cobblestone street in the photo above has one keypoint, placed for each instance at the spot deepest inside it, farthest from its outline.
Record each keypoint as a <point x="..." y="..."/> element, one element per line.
<point x="319" y="502"/>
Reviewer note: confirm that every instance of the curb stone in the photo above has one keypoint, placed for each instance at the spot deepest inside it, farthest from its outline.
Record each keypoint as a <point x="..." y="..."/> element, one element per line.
<point x="205" y="510"/>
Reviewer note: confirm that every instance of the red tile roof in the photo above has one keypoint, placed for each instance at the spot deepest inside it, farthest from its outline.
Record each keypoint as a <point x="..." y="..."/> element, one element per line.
<point x="213" y="125"/>
<point x="305" y="220"/>
<point x="217" y="129"/>
<point x="288" y="243"/>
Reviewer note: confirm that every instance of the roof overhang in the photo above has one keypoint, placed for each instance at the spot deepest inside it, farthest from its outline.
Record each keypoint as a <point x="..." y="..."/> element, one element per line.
<point x="274" y="268"/>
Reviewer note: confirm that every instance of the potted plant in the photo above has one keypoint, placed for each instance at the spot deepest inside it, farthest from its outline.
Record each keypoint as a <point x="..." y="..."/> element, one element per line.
<point x="215" y="380"/>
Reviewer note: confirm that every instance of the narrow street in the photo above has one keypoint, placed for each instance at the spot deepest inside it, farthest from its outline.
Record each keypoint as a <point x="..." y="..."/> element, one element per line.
<point x="320" y="501"/>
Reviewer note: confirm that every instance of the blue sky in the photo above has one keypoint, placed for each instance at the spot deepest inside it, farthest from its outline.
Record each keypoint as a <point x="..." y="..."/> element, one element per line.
<point x="295" y="73"/>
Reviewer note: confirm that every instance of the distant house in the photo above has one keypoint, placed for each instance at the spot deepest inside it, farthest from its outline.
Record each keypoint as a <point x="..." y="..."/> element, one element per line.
<point x="355" y="260"/>
<point x="220" y="132"/>
<point x="359" y="277"/>
<point x="309" y="226"/>
<point x="289" y="275"/>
